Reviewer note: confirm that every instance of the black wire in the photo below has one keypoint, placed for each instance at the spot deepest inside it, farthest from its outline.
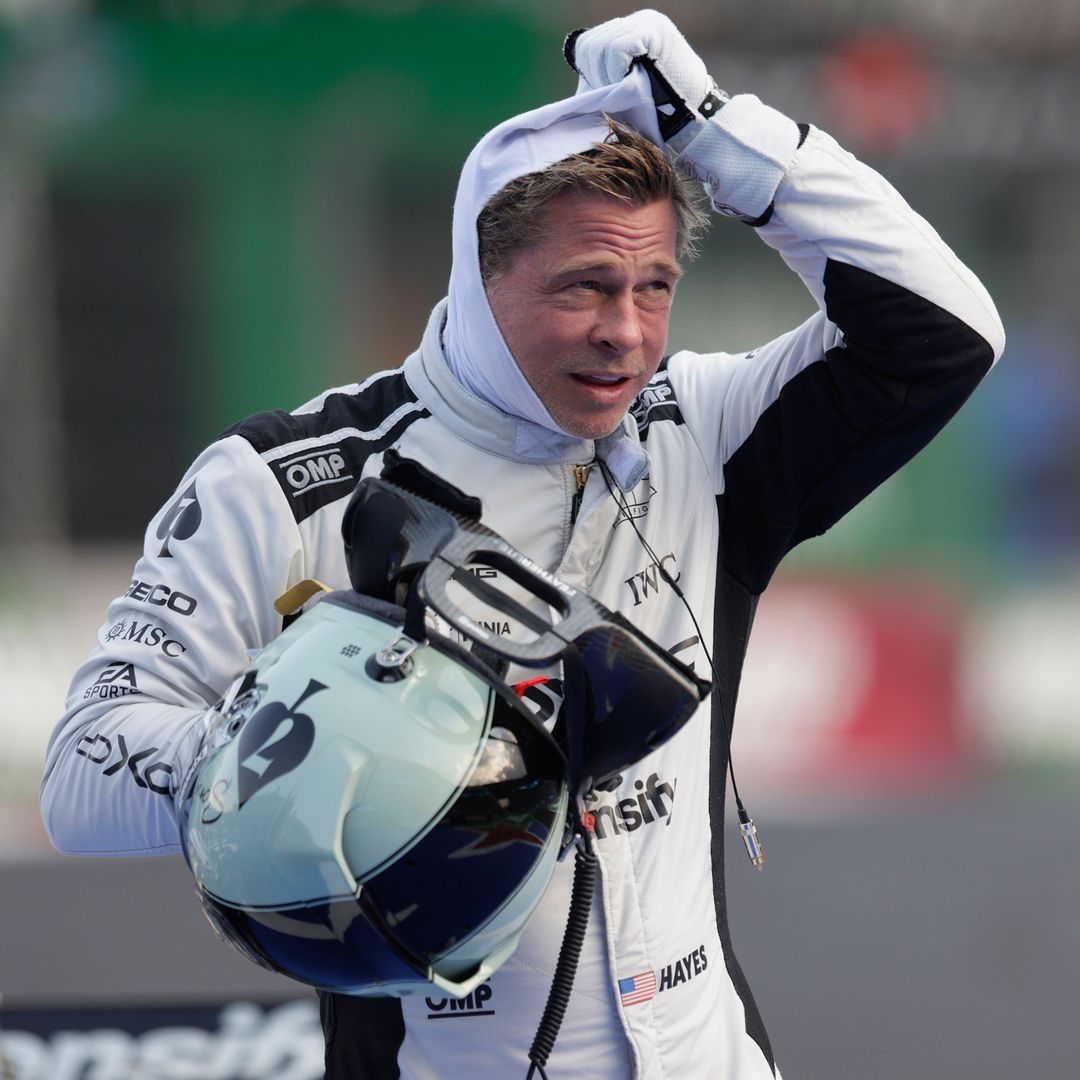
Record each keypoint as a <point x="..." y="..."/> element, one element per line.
<point x="585" y="864"/>
<point x="618" y="496"/>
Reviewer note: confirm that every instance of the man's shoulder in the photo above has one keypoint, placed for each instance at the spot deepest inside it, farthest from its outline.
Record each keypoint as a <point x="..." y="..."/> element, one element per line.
<point x="317" y="452"/>
<point x="359" y="408"/>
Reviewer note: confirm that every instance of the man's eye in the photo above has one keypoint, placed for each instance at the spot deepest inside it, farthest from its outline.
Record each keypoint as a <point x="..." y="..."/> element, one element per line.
<point x="589" y="285"/>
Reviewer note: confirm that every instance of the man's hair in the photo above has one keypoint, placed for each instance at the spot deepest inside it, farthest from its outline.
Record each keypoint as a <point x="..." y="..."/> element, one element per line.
<point x="626" y="167"/>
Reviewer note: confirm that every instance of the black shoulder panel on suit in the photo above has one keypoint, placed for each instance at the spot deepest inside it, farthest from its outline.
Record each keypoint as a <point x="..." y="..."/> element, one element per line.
<point x="839" y="428"/>
<point x="317" y="457"/>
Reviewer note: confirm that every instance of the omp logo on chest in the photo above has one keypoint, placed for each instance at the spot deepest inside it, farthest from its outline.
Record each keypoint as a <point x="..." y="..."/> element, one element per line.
<point x="478" y="1003"/>
<point x="313" y="469"/>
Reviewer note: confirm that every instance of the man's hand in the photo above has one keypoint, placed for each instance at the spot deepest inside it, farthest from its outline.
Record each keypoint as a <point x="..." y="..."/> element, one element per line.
<point x="682" y="88"/>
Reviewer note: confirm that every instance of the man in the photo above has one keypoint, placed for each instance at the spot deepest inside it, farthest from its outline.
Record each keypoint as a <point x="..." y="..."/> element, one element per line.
<point x="540" y="386"/>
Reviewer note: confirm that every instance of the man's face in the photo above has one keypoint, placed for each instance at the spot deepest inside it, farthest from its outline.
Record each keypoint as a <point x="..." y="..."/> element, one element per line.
<point x="585" y="311"/>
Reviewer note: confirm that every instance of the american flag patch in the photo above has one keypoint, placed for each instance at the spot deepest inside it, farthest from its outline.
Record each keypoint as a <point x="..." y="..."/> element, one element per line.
<point x="637" y="988"/>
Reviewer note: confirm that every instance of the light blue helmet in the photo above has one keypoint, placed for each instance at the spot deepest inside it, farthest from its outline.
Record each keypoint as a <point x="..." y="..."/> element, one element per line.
<point x="372" y="815"/>
<point x="373" y="810"/>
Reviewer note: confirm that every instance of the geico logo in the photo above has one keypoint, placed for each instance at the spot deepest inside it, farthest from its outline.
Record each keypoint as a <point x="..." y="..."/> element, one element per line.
<point x="302" y="474"/>
<point x="162" y="596"/>
<point x="473" y="1005"/>
<point x="151" y="636"/>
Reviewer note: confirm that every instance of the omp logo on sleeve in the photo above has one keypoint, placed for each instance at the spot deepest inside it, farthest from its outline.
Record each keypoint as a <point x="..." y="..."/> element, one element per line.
<point x="313" y="469"/>
<point x="181" y="521"/>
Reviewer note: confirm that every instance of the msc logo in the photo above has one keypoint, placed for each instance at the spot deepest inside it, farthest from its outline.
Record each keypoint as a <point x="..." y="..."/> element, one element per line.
<point x="648" y="580"/>
<point x="458" y="1008"/>
<point x="116" y="680"/>
<point x="314" y="470"/>
<point x="629" y="815"/>
<point x="98" y="749"/>
<point x="152" y="637"/>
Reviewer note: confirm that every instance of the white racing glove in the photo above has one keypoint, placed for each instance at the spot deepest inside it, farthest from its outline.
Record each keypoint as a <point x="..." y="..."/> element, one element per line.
<point x="684" y="92"/>
<point x="739" y="148"/>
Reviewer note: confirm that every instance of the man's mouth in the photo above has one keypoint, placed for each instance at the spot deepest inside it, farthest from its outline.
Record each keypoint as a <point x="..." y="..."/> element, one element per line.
<point x="594" y="379"/>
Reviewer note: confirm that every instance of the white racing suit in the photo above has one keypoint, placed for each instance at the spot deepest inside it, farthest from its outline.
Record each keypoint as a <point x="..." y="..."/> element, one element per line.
<point x="748" y="455"/>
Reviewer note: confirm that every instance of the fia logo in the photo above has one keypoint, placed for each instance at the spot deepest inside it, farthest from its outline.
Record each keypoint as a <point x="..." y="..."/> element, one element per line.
<point x="181" y="521"/>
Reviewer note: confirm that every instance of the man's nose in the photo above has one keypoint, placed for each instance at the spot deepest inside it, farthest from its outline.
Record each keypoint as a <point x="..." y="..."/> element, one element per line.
<point x="618" y="324"/>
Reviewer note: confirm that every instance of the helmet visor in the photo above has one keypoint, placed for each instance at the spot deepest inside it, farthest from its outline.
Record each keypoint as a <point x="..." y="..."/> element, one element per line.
<point x="451" y="884"/>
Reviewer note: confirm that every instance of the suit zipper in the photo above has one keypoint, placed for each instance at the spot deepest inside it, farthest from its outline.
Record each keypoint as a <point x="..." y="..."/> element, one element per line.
<point x="581" y="478"/>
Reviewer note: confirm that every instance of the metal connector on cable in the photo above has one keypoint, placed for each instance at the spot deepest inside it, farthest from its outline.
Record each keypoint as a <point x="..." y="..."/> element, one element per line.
<point x="750" y="838"/>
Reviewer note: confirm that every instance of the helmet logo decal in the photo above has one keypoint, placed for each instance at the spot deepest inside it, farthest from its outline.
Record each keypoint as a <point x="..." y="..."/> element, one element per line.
<point x="500" y="834"/>
<point x="181" y="520"/>
<point x="262" y="756"/>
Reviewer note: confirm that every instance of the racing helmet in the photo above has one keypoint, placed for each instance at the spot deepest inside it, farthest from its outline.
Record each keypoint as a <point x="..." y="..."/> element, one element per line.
<point x="372" y="815"/>
<point x="373" y="810"/>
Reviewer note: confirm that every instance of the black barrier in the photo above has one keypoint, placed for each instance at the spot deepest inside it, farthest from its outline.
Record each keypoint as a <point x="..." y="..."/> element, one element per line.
<point x="238" y="1040"/>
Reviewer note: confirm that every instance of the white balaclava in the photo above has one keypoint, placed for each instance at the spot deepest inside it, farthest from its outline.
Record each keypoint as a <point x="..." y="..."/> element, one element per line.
<point x="474" y="346"/>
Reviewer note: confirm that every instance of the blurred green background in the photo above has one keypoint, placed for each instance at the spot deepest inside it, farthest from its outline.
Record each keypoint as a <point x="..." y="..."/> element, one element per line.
<point x="214" y="208"/>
